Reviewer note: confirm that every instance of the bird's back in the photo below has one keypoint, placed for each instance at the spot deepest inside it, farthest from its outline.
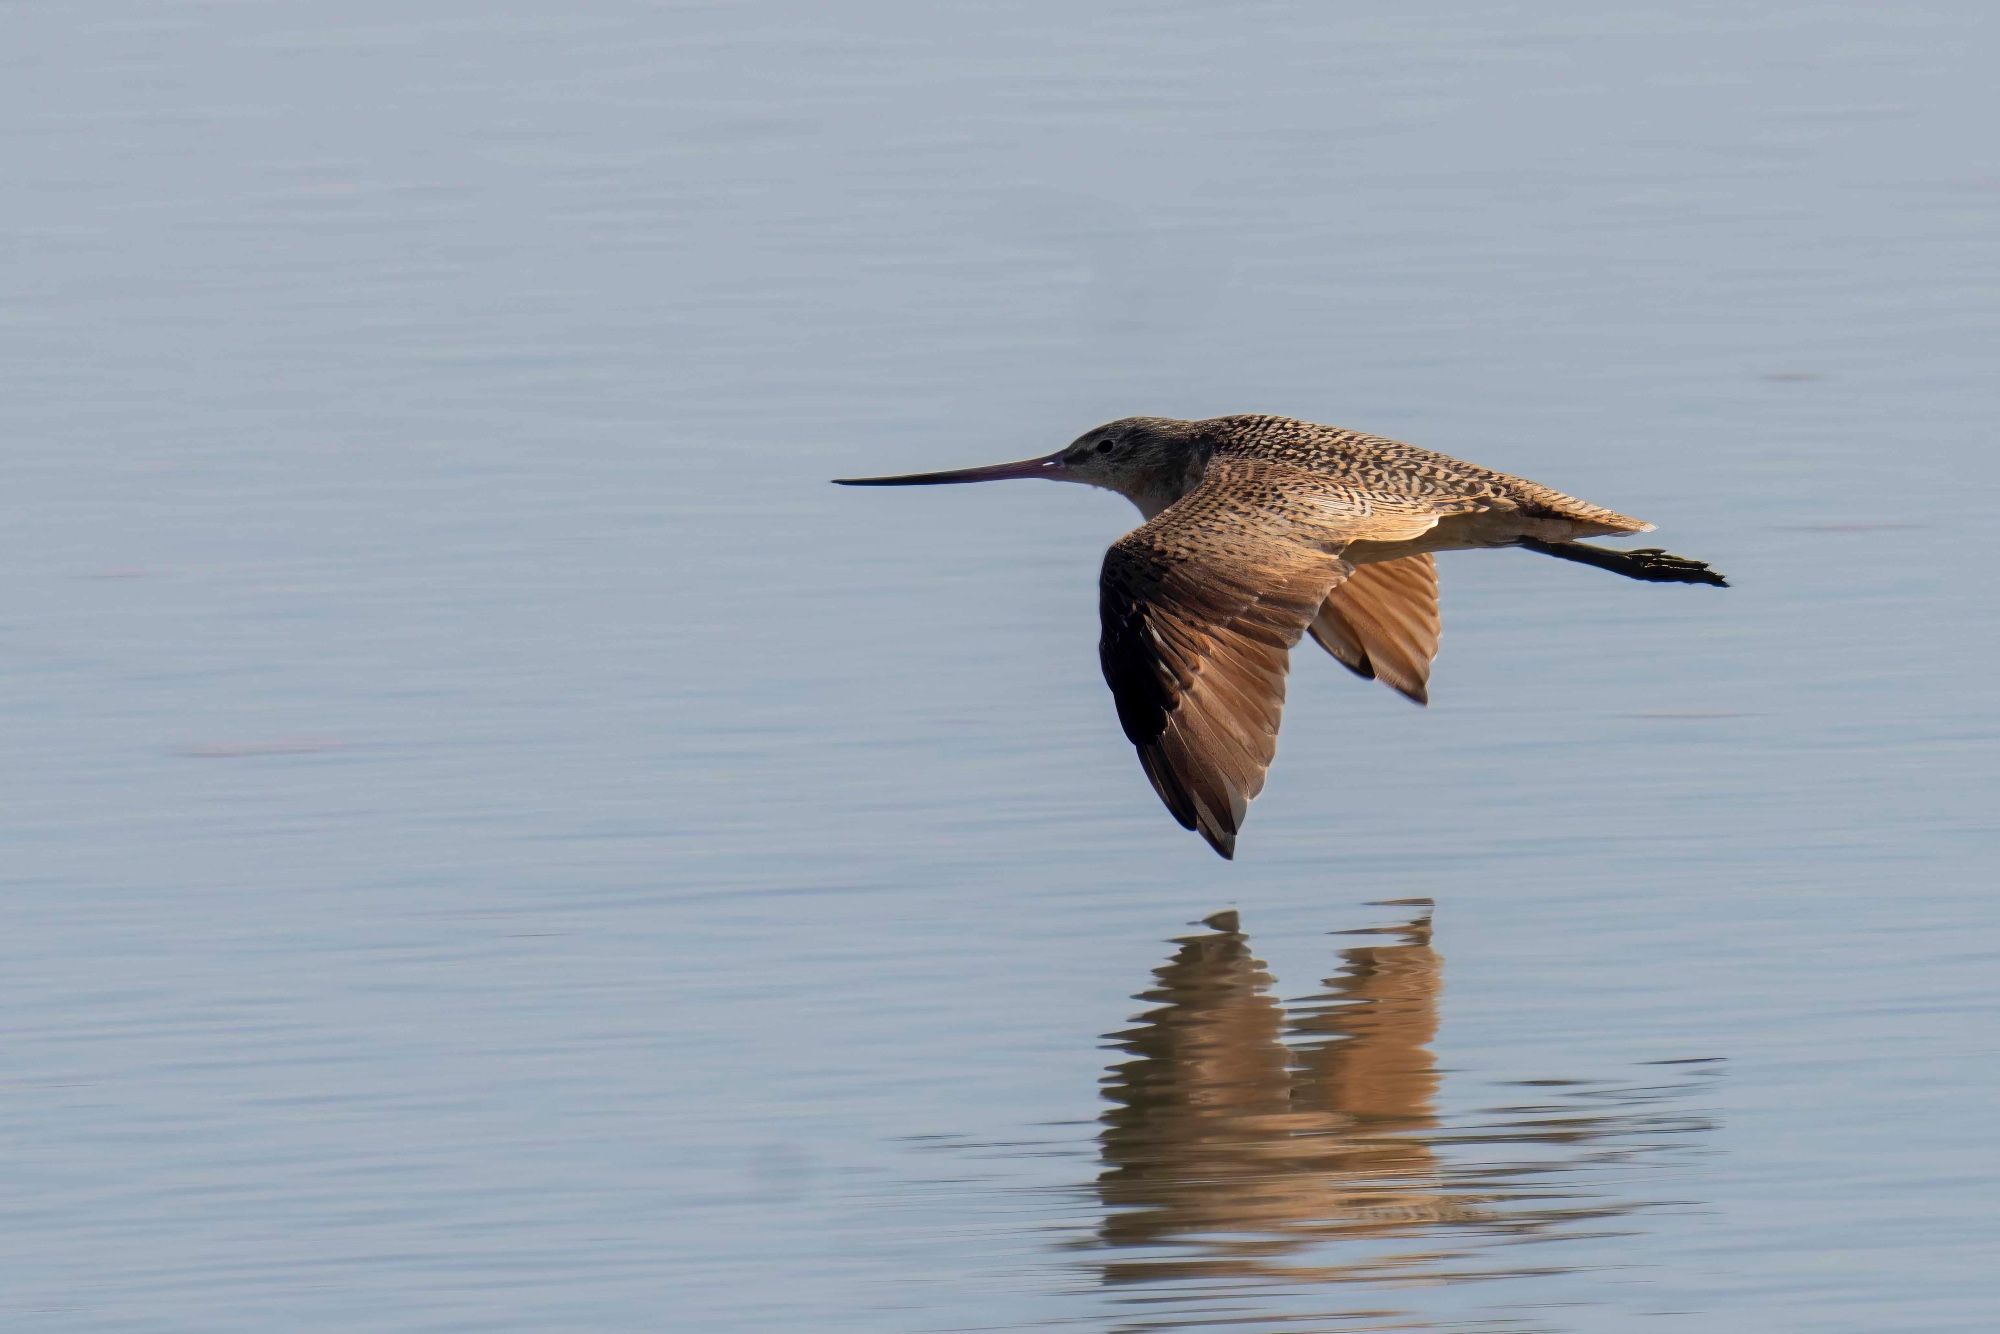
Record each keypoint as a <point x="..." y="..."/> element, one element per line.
<point x="1390" y="474"/>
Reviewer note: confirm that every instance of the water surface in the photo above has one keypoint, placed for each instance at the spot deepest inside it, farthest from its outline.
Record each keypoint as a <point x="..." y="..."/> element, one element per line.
<point x="494" y="841"/>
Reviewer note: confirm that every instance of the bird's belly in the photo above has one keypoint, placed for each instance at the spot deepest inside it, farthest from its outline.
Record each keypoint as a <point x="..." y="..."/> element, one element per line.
<point x="1471" y="532"/>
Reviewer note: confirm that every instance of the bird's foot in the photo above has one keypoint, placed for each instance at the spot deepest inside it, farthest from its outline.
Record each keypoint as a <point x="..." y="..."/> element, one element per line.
<point x="1648" y="563"/>
<point x="1663" y="567"/>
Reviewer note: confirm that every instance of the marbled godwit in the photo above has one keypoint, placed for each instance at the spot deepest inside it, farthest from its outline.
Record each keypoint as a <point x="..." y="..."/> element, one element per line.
<point x="1259" y="529"/>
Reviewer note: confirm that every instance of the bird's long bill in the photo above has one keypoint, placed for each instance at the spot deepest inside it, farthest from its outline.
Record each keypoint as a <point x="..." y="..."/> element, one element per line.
<point x="1049" y="465"/>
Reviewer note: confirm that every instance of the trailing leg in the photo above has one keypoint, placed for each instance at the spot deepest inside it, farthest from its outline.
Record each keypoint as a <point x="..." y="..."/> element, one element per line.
<point x="1648" y="563"/>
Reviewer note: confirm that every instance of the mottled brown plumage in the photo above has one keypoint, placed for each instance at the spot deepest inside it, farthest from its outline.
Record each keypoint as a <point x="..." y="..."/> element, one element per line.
<point x="1259" y="529"/>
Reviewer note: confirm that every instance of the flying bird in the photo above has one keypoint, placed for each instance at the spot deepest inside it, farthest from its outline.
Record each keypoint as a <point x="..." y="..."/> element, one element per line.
<point x="1259" y="530"/>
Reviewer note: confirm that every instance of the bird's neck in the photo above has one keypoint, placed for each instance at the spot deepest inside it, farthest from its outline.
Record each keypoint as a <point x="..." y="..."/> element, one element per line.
<point x="1155" y="489"/>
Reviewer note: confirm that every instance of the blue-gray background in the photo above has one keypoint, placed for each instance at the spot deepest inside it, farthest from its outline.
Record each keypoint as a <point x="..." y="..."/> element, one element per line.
<point x="493" y="841"/>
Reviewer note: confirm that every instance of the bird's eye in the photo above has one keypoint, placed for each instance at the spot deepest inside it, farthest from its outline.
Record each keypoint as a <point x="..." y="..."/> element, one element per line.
<point x="1101" y="447"/>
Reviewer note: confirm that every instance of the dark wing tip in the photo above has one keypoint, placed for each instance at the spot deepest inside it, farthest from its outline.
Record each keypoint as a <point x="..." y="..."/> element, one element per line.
<point x="1219" y="832"/>
<point x="1363" y="666"/>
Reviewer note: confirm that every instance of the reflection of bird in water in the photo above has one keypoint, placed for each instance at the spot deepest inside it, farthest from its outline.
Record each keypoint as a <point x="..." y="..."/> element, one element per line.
<point x="1260" y="529"/>
<point x="1220" y="1128"/>
<point x="1251" y="1141"/>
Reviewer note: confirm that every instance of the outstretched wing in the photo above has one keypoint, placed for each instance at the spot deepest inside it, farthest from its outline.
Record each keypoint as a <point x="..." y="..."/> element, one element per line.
<point x="1201" y="606"/>
<point x="1383" y="622"/>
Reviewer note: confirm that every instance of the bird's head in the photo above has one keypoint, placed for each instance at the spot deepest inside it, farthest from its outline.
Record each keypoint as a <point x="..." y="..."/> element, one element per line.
<point x="1152" y="461"/>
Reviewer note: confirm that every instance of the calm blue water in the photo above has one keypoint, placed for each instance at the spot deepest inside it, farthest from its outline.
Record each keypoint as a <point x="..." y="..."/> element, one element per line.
<point x="495" y="842"/>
